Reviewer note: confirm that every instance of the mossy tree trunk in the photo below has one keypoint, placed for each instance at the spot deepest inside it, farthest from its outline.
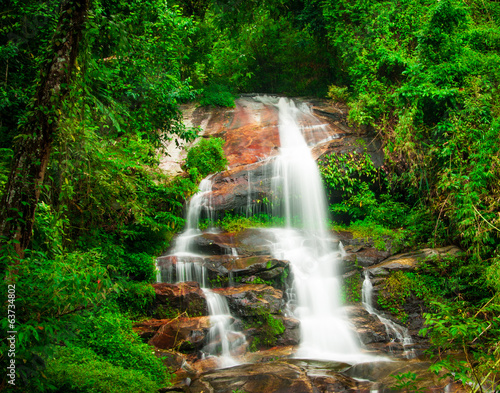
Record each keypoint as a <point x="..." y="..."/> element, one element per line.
<point x="33" y="145"/>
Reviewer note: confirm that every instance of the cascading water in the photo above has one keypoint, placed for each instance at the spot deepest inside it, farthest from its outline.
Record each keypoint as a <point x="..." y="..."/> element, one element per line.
<point x="395" y="332"/>
<point x="305" y="242"/>
<point x="222" y="339"/>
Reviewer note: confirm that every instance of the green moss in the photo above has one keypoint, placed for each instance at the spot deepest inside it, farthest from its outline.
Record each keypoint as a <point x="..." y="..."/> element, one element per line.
<point x="268" y="327"/>
<point x="392" y="297"/>
<point x="351" y="288"/>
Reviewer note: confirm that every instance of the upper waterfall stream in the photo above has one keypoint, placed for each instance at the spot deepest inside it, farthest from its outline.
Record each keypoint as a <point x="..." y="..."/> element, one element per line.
<point x="306" y="243"/>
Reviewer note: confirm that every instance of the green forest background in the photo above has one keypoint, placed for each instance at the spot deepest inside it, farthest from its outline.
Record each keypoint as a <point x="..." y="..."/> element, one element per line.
<point x="421" y="75"/>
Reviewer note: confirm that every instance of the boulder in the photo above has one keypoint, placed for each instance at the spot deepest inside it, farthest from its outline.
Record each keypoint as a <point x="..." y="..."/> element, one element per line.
<point x="383" y="374"/>
<point x="147" y="329"/>
<point x="367" y="326"/>
<point x="248" y="269"/>
<point x="410" y="260"/>
<point x="255" y="378"/>
<point x="181" y="297"/>
<point x="171" y="359"/>
<point x="362" y="256"/>
<point x="291" y="335"/>
<point x="252" y="299"/>
<point x="254" y="241"/>
<point x="184" y="334"/>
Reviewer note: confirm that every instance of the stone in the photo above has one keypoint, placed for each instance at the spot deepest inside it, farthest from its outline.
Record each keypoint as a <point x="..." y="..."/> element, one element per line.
<point x="171" y="359"/>
<point x="271" y="377"/>
<point x="338" y="384"/>
<point x="270" y="354"/>
<point x="247" y="269"/>
<point x="367" y="326"/>
<point x="254" y="241"/>
<point x="252" y="299"/>
<point x="185" y="334"/>
<point x="147" y="329"/>
<point x="184" y="297"/>
<point x="362" y="256"/>
<point x="410" y="260"/>
<point x="291" y="335"/>
<point x="381" y="372"/>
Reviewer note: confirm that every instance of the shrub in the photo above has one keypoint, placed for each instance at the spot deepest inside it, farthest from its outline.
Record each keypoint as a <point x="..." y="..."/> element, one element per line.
<point x="207" y="156"/>
<point x="109" y="334"/>
<point x="76" y="369"/>
<point x="339" y="94"/>
<point x="136" y="298"/>
<point x="217" y="95"/>
<point x="139" y="266"/>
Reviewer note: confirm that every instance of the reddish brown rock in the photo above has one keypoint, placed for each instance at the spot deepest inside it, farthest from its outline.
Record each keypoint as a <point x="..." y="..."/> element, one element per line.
<point x="182" y="297"/>
<point x="270" y="377"/>
<point x="252" y="299"/>
<point x="148" y="329"/>
<point x="248" y="269"/>
<point x="185" y="334"/>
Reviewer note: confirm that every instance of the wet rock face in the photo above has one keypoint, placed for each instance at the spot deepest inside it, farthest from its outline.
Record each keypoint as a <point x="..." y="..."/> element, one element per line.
<point x="182" y="297"/>
<point x="248" y="269"/>
<point x="255" y="378"/>
<point x="186" y="334"/>
<point x="251" y="299"/>
<point x="368" y="327"/>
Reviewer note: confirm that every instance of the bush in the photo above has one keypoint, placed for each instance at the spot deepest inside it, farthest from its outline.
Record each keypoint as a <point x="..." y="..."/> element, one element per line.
<point x="217" y="95"/>
<point x="207" y="156"/>
<point x="139" y="267"/>
<point x="339" y="94"/>
<point x="76" y="369"/>
<point x="109" y="334"/>
<point x="136" y="298"/>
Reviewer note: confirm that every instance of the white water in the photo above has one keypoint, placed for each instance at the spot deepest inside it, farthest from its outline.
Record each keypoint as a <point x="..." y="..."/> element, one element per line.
<point x="305" y="242"/>
<point x="222" y="339"/>
<point x="395" y="332"/>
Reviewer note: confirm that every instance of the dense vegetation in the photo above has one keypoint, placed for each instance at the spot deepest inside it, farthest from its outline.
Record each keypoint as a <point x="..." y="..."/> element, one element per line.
<point x="421" y="75"/>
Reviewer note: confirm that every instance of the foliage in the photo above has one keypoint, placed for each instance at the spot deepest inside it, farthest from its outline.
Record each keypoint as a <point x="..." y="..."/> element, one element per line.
<point x="136" y="298"/>
<point x="353" y="179"/>
<point x="450" y="277"/>
<point x="5" y="159"/>
<point x="418" y="74"/>
<point x="236" y="222"/>
<point x="397" y="288"/>
<point x="217" y="95"/>
<point x="207" y="156"/>
<point x="110" y="336"/>
<point x="338" y="94"/>
<point x="461" y="326"/>
<point x="104" y="209"/>
<point x="268" y="327"/>
<point x="382" y="237"/>
<point x="75" y="369"/>
<point x="51" y="294"/>
<point x="351" y="288"/>
<point x="407" y="382"/>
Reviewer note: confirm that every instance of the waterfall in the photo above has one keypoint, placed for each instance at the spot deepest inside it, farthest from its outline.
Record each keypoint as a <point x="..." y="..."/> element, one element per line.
<point x="395" y="332"/>
<point x="306" y="243"/>
<point x="222" y="339"/>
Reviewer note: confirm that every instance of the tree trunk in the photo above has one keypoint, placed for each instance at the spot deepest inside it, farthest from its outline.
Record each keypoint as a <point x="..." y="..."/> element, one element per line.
<point x="33" y="145"/>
